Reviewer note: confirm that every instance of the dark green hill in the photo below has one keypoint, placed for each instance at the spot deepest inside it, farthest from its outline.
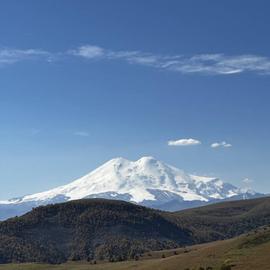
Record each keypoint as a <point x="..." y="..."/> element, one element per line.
<point x="116" y="230"/>
<point x="224" y="220"/>
<point x="86" y="230"/>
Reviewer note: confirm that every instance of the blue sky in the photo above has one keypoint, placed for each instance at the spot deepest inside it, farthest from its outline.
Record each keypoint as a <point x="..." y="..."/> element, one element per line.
<point x="85" y="81"/>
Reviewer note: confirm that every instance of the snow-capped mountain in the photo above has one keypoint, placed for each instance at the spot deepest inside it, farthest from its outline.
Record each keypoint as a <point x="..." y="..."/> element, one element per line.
<point x="146" y="181"/>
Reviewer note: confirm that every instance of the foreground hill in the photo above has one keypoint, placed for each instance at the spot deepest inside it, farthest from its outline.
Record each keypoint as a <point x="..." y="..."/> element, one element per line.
<point x="249" y="251"/>
<point x="86" y="230"/>
<point x="110" y="230"/>
<point x="147" y="181"/>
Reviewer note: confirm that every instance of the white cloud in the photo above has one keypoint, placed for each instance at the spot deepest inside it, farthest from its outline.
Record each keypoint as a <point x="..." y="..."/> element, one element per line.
<point x="247" y="181"/>
<point x="221" y="144"/>
<point x="81" y="133"/>
<point x="11" y="56"/>
<point x="132" y="57"/>
<point x="183" y="142"/>
<point x="89" y="51"/>
<point x="212" y="64"/>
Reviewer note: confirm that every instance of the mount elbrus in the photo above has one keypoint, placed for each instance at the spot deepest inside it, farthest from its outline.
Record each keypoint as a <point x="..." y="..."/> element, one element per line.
<point x="147" y="182"/>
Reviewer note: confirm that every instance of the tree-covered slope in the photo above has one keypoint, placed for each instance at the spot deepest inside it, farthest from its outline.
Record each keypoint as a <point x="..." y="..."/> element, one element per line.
<point x="224" y="220"/>
<point x="87" y="229"/>
<point x="98" y="229"/>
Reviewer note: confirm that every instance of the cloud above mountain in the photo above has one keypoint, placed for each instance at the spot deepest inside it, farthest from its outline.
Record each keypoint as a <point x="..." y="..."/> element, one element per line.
<point x="183" y="142"/>
<point x="247" y="181"/>
<point x="221" y="145"/>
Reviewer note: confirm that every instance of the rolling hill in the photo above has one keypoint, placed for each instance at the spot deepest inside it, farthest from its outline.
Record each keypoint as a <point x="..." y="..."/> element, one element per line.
<point x="85" y="230"/>
<point x="224" y="220"/>
<point x="110" y="230"/>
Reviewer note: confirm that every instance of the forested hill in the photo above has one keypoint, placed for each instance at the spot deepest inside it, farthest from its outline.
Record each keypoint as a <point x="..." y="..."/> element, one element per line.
<point x="87" y="229"/>
<point x="98" y="229"/>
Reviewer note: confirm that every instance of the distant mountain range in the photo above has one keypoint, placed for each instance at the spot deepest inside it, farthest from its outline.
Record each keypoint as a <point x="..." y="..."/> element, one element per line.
<point x="146" y="182"/>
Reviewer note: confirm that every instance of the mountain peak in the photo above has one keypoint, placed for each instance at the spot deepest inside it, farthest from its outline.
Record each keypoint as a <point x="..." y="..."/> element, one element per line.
<point x="147" y="159"/>
<point x="118" y="160"/>
<point x="114" y="161"/>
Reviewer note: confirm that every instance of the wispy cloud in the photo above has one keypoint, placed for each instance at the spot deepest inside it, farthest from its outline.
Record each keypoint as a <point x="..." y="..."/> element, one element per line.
<point x="183" y="142"/>
<point x="132" y="57"/>
<point x="212" y="64"/>
<point x="11" y="56"/>
<point x="221" y="144"/>
<point x="81" y="133"/>
<point x="247" y="181"/>
<point x="88" y="51"/>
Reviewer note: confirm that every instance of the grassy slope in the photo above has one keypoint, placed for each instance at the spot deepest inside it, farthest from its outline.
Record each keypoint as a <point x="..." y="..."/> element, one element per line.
<point x="224" y="220"/>
<point x="249" y="251"/>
